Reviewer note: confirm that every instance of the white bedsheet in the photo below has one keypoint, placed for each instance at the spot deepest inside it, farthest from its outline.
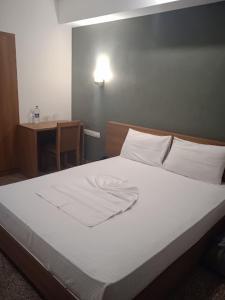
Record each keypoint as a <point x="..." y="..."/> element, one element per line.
<point x="120" y="257"/>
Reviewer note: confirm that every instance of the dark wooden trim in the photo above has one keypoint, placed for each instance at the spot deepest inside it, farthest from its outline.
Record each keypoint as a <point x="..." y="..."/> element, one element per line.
<point x="9" y="112"/>
<point x="28" y="151"/>
<point x="7" y="33"/>
<point x="8" y="172"/>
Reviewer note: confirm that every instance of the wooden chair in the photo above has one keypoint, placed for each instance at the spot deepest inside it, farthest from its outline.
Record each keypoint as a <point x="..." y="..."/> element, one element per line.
<point x="67" y="140"/>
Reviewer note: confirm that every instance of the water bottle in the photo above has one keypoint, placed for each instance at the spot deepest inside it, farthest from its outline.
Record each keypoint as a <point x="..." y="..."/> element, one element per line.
<point x="36" y="114"/>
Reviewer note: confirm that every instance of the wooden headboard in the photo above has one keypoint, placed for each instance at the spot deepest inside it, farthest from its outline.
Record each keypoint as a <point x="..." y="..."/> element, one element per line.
<point x="116" y="134"/>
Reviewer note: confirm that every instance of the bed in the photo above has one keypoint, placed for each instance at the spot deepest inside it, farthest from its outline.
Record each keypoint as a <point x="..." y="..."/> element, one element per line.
<point x="145" y="249"/>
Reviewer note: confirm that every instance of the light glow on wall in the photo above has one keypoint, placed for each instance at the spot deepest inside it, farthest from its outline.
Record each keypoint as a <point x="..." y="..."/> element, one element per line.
<point x="102" y="71"/>
<point x="96" y="20"/>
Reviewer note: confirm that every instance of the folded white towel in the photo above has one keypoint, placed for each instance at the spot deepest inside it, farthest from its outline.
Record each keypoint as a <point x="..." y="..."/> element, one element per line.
<point x="52" y="196"/>
<point x="92" y="200"/>
<point x="115" y="186"/>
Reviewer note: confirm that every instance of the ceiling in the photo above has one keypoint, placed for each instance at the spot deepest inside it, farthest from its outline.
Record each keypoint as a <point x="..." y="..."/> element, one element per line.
<point x="86" y="12"/>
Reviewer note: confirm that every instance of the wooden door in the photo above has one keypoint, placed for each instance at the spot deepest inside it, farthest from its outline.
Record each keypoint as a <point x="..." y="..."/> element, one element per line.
<point x="9" y="111"/>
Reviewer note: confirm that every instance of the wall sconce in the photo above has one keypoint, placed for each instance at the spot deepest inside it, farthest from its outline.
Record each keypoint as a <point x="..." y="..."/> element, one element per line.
<point x="102" y="71"/>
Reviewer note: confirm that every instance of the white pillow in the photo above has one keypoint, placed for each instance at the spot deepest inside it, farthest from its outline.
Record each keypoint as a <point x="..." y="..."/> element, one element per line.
<point x="197" y="161"/>
<point x="145" y="148"/>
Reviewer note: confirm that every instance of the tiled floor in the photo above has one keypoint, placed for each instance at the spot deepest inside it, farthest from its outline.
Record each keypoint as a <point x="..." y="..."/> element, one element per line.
<point x="201" y="285"/>
<point x="13" y="286"/>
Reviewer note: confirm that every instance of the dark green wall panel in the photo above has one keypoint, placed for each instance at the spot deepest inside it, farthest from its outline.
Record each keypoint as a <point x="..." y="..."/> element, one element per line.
<point x="169" y="73"/>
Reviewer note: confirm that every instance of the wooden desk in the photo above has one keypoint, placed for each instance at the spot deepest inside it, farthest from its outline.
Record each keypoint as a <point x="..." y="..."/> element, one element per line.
<point x="28" y="145"/>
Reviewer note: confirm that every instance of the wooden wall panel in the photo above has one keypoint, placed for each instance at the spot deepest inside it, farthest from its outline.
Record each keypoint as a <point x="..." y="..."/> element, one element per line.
<point x="9" y="111"/>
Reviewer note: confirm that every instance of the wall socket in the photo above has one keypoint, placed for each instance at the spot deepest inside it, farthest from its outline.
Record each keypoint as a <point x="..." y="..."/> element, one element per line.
<point x="92" y="133"/>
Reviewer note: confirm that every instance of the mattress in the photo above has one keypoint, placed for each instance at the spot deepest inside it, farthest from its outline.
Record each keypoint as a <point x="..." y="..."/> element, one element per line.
<point x="119" y="258"/>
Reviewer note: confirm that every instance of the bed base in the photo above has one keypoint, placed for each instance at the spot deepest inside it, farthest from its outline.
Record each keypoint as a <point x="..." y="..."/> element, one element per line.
<point x="51" y="289"/>
<point x="178" y="271"/>
<point x="47" y="285"/>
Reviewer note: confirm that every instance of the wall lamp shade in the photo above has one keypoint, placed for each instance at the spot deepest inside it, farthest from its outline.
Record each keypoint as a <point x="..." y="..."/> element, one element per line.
<point x="102" y="71"/>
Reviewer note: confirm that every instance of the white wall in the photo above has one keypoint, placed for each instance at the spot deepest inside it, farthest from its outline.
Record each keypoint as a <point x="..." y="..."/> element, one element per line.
<point x="43" y="57"/>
